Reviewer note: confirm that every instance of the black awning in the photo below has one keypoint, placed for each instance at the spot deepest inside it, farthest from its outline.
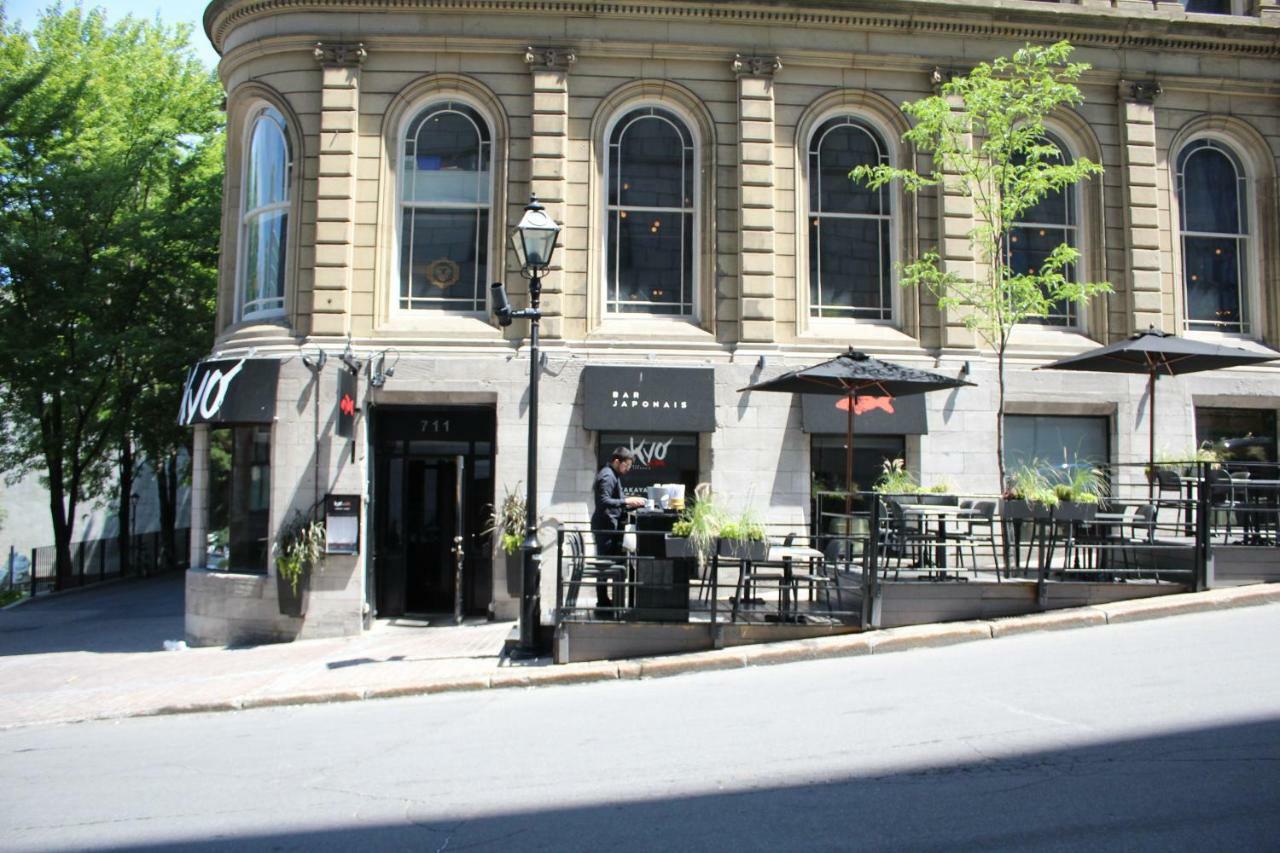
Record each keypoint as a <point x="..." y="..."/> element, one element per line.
<point x="826" y="415"/>
<point x="230" y="391"/>
<point x="649" y="399"/>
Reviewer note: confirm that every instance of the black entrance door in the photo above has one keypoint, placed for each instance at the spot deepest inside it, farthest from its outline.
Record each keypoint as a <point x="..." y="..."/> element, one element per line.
<point x="420" y="504"/>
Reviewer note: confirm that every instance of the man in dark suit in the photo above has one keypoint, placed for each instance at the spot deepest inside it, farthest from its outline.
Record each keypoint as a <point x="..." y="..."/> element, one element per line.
<point x="607" y="519"/>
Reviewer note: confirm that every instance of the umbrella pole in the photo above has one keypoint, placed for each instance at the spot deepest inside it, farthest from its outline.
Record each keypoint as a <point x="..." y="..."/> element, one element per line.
<point x="1151" y="437"/>
<point x="848" y="455"/>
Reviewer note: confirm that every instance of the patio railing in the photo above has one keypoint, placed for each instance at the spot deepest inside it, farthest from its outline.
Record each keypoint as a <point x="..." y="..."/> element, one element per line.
<point x="1160" y="529"/>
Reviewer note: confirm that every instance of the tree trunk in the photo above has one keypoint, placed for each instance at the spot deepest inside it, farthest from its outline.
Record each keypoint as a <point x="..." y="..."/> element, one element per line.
<point x="63" y="518"/>
<point x="1000" y="415"/>
<point x="124" y="510"/>
<point x="167" y="491"/>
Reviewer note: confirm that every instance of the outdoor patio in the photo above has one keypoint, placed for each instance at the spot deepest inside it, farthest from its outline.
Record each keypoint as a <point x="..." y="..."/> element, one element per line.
<point x="932" y="558"/>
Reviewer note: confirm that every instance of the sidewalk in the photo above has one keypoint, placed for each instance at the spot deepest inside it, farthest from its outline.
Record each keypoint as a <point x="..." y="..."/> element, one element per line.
<point x="401" y="660"/>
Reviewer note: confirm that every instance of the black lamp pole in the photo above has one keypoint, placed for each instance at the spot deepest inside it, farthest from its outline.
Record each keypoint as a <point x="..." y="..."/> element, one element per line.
<point x="535" y="241"/>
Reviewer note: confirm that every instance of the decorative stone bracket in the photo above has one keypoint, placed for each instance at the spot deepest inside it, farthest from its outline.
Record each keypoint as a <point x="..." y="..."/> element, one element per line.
<point x="550" y="58"/>
<point x="340" y="55"/>
<point x="1139" y="91"/>
<point x="756" y="66"/>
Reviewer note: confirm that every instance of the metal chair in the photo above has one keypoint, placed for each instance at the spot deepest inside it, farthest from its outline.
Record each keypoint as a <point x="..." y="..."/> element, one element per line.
<point x="1167" y="480"/>
<point x="978" y="527"/>
<point x="602" y="570"/>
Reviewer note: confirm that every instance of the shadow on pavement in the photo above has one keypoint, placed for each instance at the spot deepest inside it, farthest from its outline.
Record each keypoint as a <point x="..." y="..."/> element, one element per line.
<point x="135" y="615"/>
<point x="1205" y="789"/>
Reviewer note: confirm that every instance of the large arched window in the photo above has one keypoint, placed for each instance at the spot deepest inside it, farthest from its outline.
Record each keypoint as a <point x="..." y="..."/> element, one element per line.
<point x="1040" y="230"/>
<point x="264" y="223"/>
<point x="850" y="255"/>
<point x="652" y="215"/>
<point x="1213" y="216"/>
<point x="445" y="188"/>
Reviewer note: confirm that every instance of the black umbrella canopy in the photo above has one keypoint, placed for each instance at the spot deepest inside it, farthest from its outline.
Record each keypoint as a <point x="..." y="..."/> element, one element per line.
<point x="856" y="374"/>
<point x="1154" y="351"/>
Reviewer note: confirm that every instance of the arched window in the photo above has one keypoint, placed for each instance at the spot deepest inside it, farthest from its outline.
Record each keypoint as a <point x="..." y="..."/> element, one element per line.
<point x="850" y="255"/>
<point x="1043" y="228"/>
<point x="264" y="224"/>
<point x="445" y="187"/>
<point x="652" y="219"/>
<point x="1212" y="203"/>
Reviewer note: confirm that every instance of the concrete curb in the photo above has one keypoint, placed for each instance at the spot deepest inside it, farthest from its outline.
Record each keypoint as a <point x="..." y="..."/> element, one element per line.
<point x="845" y="645"/>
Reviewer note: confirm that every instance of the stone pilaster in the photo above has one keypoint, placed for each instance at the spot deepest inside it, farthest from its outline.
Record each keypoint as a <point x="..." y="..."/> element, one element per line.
<point x="336" y="186"/>
<point x="549" y="148"/>
<point x="956" y="253"/>
<point x="1269" y="11"/>
<point x="1143" y="273"/>
<point x="756" y="255"/>
<point x="199" y="495"/>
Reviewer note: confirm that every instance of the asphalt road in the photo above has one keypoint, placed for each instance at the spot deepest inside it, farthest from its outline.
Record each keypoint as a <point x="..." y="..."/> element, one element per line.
<point x="1160" y="735"/>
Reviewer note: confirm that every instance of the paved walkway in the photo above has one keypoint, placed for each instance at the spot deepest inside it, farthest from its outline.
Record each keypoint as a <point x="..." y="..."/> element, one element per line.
<point x="98" y="654"/>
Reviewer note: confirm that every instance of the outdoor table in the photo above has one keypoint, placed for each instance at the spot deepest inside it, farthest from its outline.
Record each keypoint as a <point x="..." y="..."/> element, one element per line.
<point x="942" y="513"/>
<point x="787" y="554"/>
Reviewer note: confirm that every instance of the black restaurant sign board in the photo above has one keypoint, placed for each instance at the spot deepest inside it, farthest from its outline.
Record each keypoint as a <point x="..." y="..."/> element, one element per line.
<point x="230" y="391"/>
<point x="829" y="415"/>
<point x="649" y="399"/>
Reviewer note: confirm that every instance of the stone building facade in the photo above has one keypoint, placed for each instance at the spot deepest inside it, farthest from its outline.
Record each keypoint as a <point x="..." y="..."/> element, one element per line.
<point x="379" y="155"/>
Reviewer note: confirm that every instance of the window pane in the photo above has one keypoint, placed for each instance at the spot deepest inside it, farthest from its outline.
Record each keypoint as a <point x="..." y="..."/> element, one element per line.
<point x="443" y="259"/>
<point x="840" y="149"/>
<point x="1209" y="200"/>
<point x="849" y="267"/>
<point x="660" y="458"/>
<point x="1213" y="278"/>
<point x="239" y="498"/>
<point x="651" y="165"/>
<point x="264" y="247"/>
<point x="827" y="461"/>
<point x="1028" y="249"/>
<point x="267" y="181"/>
<point x="1211" y="7"/>
<point x="1240" y="435"/>
<point x="447" y="158"/>
<point x="652" y="262"/>
<point x="1055" y="444"/>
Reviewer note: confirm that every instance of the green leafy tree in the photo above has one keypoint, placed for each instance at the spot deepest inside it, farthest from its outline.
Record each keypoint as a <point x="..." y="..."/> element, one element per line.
<point x="102" y="126"/>
<point x="985" y="132"/>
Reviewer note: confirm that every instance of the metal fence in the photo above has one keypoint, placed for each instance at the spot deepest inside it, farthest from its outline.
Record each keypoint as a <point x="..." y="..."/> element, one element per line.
<point x="97" y="560"/>
<point x="1143" y="525"/>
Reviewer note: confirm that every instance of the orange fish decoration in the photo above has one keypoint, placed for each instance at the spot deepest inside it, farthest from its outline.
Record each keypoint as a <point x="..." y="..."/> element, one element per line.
<point x="866" y="404"/>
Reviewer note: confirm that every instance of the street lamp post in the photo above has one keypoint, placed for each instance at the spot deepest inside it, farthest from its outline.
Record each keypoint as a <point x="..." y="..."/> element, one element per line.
<point x="534" y="240"/>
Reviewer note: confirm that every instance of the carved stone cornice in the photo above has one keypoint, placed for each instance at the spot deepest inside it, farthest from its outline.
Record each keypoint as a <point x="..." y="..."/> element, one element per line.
<point x="550" y="58"/>
<point x="1117" y="28"/>
<point x="1139" y="91"/>
<point x="340" y="54"/>
<point x="755" y="66"/>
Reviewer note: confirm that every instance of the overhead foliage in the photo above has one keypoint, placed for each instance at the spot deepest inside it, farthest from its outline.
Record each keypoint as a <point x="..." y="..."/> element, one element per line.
<point x="110" y="157"/>
<point x="985" y="136"/>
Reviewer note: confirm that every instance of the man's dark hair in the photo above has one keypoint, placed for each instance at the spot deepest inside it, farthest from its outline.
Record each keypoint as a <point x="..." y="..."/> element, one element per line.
<point x="622" y="454"/>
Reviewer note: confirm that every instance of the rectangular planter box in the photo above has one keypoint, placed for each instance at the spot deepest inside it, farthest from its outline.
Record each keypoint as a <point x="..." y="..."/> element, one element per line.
<point x="749" y="551"/>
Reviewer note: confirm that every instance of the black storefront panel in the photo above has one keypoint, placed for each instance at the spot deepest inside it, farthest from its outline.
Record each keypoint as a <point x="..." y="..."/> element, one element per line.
<point x="829" y="415"/>
<point x="230" y="391"/>
<point x="649" y="399"/>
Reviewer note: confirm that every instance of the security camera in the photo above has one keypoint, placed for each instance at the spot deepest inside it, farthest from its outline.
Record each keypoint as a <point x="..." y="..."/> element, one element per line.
<point x="501" y="305"/>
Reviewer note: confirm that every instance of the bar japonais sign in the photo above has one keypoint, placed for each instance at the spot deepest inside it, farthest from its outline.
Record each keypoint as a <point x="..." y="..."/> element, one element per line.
<point x="649" y="399"/>
<point x="230" y="391"/>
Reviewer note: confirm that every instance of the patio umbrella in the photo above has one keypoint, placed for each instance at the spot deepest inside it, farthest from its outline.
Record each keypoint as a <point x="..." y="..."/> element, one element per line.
<point x="854" y="375"/>
<point x="1154" y="352"/>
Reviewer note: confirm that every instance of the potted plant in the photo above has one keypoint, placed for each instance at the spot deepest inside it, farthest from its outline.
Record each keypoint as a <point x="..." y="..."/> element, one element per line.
<point x="299" y="549"/>
<point x="1028" y="495"/>
<point x="507" y="522"/>
<point x="744" y="537"/>
<point x="694" y="534"/>
<point x="895" y="479"/>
